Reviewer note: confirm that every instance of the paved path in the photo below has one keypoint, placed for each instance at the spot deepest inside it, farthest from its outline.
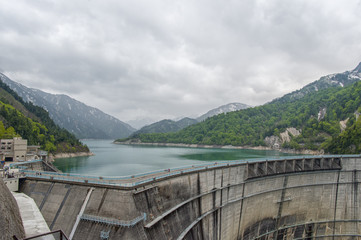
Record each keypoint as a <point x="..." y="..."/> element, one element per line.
<point x="33" y="220"/>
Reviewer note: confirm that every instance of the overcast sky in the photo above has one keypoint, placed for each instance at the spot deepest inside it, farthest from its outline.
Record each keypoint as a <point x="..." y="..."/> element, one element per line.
<point x="165" y="59"/>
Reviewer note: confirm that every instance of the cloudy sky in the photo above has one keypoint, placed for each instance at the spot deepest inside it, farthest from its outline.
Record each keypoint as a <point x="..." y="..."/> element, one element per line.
<point x="165" y="59"/>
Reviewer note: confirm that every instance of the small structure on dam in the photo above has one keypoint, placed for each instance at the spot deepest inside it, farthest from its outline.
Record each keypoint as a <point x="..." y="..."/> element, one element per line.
<point x="290" y="198"/>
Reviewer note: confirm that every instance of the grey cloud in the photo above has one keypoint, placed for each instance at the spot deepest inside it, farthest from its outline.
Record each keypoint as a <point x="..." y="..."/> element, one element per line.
<point x="165" y="59"/>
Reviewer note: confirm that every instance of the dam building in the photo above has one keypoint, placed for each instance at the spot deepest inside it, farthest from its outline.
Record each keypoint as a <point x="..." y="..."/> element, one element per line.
<point x="316" y="197"/>
<point x="18" y="150"/>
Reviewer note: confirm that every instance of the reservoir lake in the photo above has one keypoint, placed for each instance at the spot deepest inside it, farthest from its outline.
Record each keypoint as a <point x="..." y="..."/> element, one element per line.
<point x="123" y="160"/>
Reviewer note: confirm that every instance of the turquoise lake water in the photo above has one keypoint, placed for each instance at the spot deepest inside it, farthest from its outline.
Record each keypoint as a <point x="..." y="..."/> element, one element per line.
<point x="123" y="160"/>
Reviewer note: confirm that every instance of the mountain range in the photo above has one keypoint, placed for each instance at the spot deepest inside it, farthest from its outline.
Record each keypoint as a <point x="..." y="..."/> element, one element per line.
<point x="89" y="122"/>
<point x="23" y="119"/>
<point x="230" y="107"/>
<point x="332" y="80"/>
<point x="322" y="116"/>
<point x="81" y="120"/>
<point x="168" y="125"/>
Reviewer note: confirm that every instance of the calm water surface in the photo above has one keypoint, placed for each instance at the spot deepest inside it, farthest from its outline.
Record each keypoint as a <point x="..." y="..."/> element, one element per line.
<point x="121" y="160"/>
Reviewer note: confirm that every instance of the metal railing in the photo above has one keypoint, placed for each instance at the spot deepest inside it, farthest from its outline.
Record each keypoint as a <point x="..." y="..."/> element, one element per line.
<point x="116" y="222"/>
<point x="15" y="164"/>
<point x="172" y="172"/>
<point x="54" y="235"/>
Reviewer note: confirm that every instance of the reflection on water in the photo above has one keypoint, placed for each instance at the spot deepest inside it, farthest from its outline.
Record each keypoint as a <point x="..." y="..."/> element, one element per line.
<point x="120" y="160"/>
<point x="71" y="165"/>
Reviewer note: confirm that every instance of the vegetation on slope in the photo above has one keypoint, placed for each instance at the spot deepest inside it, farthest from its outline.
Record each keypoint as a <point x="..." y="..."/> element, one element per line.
<point x="348" y="141"/>
<point x="81" y="120"/>
<point x="18" y="118"/>
<point x="166" y="126"/>
<point x="251" y="126"/>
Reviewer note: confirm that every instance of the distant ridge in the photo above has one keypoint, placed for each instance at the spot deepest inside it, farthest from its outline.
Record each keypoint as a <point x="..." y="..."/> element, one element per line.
<point x="230" y="107"/>
<point x="81" y="120"/>
<point x="166" y="125"/>
<point x="332" y="80"/>
<point x="323" y="117"/>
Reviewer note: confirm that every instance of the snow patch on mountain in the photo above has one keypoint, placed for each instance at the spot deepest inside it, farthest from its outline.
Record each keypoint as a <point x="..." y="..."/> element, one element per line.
<point x="84" y="121"/>
<point x="231" y="107"/>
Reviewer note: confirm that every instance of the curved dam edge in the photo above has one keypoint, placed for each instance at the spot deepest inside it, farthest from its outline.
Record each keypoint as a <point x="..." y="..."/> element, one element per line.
<point x="288" y="198"/>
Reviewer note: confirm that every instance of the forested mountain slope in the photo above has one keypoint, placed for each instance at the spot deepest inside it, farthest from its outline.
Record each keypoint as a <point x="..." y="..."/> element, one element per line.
<point x="313" y="120"/>
<point x="168" y="125"/>
<point x="18" y="118"/>
<point x="81" y="120"/>
<point x="165" y="126"/>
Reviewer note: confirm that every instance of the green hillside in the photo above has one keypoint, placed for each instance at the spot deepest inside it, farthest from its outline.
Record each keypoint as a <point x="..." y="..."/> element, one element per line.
<point x="166" y="126"/>
<point x="317" y="115"/>
<point x="33" y="123"/>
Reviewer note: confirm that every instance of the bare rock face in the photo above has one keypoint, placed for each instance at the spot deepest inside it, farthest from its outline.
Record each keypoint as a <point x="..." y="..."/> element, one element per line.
<point x="293" y="131"/>
<point x="273" y="142"/>
<point x="276" y="142"/>
<point x="10" y="219"/>
<point x="321" y="114"/>
<point x="286" y="135"/>
<point x="343" y="124"/>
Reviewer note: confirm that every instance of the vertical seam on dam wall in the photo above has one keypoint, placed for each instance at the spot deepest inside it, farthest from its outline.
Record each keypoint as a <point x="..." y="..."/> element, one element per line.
<point x="240" y="212"/>
<point x="220" y="204"/>
<point x="279" y="214"/>
<point x="102" y="200"/>
<point x="46" y="196"/>
<point x="215" y="214"/>
<point x="199" y="203"/>
<point x="60" y="208"/>
<point x="32" y="186"/>
<point x="335" y="207"/>
<point x="141" y="233"/>
<point x="355" y="201"/>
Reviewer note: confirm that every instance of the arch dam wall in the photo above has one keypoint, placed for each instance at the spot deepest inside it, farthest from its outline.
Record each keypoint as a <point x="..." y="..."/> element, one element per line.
<point x="316" y="197"/>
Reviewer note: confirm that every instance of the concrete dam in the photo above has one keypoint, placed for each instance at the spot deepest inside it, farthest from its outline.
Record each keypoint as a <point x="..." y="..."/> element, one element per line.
<point x="291" y="198"/>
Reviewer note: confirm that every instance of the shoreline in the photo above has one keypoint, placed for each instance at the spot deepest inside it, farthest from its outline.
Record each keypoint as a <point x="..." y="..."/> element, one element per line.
<point x="69" y="155"/>
<point x="283" y="150"/>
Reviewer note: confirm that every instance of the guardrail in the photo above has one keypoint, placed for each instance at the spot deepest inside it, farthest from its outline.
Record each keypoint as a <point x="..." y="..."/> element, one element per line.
<point x="24" y="163"/>
<point x="115" y="222"/>
<point x="58" y="235"/>
<point x="172" y="172"/>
